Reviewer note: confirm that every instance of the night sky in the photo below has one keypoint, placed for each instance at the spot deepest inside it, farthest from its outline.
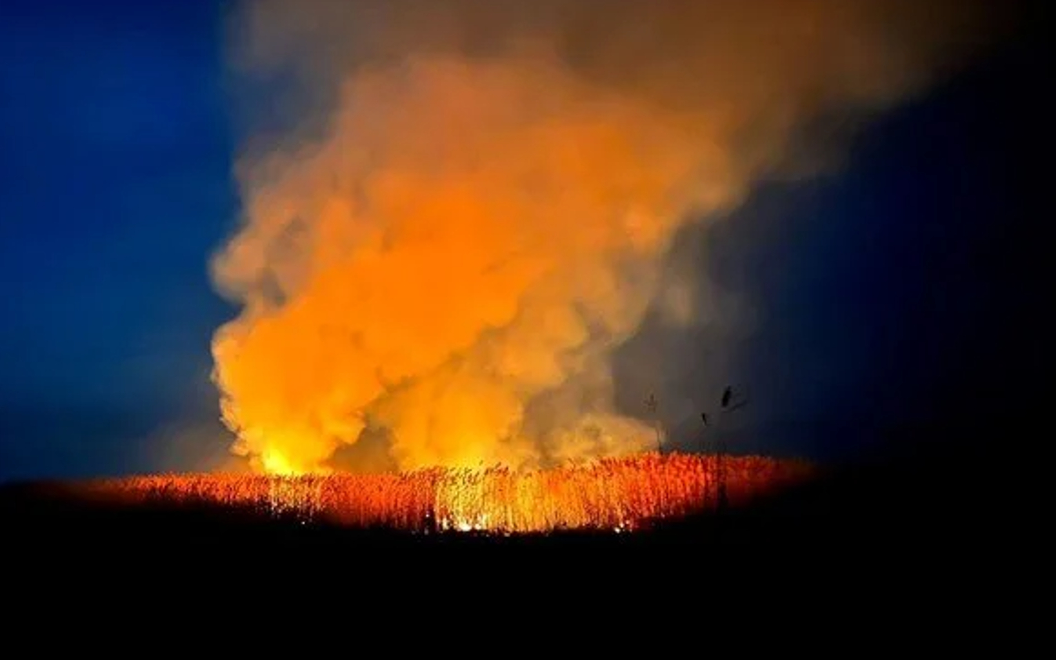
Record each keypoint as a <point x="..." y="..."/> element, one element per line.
<point x="903" y="290"/>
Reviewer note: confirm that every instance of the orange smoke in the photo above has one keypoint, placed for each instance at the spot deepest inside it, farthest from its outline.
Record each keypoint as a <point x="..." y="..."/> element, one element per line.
<point x="476" y="214"/>
<point x="464" y="240"/>
<point x="613" y="494"/>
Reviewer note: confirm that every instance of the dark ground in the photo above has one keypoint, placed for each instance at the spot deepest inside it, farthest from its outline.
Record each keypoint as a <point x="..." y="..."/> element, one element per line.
<point x="928" y="545"/>
<point x="939" y="508"/>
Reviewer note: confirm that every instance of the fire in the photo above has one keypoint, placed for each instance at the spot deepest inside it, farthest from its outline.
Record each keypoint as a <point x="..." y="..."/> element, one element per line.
<point x="473" y="205"/>
<point x="433" y="273"/>
<point x="616" y="495"/>
<point x="275" y="463"/>
<point x="468" y="206"/>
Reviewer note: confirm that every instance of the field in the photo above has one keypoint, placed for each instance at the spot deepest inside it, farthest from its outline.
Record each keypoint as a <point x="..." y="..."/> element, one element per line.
<point x="900" y="517"/>
<point x="615" y="495"/>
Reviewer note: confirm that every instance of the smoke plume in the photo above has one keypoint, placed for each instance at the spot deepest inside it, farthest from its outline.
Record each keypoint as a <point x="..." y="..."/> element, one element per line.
<point x="463" y="206"/>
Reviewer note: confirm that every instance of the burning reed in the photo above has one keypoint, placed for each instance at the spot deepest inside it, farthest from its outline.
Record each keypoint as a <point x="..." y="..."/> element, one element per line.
<point x="612" y="494"/>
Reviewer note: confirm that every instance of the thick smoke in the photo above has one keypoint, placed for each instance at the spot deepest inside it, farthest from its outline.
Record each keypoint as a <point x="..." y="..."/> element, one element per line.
<point x="469" y="211"/>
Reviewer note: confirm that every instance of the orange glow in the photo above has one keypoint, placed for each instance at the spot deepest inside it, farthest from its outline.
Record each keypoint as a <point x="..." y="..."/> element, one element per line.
<point x="272" y="462"/>
<point x="488" y="251"/>
<point x="614" y="494"/>
<point x="473" y="202"/>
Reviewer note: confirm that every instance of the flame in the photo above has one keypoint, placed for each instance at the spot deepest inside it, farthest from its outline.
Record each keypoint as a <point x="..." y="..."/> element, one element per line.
<point x="275" y="463"/>
<point x="616" y="495"/>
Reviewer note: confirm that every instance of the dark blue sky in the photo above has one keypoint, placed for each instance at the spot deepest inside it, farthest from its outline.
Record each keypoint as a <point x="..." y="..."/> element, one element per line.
<point x="905" y="288"/>
<point x="114" y="188"/>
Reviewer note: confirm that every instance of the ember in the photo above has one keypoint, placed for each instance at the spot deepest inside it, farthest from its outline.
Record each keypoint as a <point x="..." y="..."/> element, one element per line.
<point x="616" y="495"/>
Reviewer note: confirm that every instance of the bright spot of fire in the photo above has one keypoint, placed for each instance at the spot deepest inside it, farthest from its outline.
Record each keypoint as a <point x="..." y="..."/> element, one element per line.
<point x="276" y="464"/>
<point x="617" y="495"/>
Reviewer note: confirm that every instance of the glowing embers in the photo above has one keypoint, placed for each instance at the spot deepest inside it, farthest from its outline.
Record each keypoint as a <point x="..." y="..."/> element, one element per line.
<point x="613" y="495"/>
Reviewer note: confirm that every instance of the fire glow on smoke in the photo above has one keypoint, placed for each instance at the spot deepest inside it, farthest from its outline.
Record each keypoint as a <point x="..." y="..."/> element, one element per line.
<point x="468" y="209"/>
<point x="613" y="494"/>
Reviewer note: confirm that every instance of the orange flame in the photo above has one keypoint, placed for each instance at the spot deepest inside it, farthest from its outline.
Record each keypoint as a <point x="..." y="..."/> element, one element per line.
<point x="611" y="494"/>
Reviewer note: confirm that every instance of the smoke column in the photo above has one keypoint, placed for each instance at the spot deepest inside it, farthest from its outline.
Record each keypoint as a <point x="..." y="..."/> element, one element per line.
<point x="469" y="208"/>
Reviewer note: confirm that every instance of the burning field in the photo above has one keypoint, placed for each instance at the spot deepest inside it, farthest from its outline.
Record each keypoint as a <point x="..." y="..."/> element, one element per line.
<point x="456" y="223"/>
<point x="618" y="495"/>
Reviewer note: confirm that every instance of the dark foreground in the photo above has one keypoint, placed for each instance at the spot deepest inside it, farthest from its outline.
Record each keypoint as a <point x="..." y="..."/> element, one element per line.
<point x="896" y="547"/>
<point x="928" y="535"/>
<point x="930" y="509"/>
